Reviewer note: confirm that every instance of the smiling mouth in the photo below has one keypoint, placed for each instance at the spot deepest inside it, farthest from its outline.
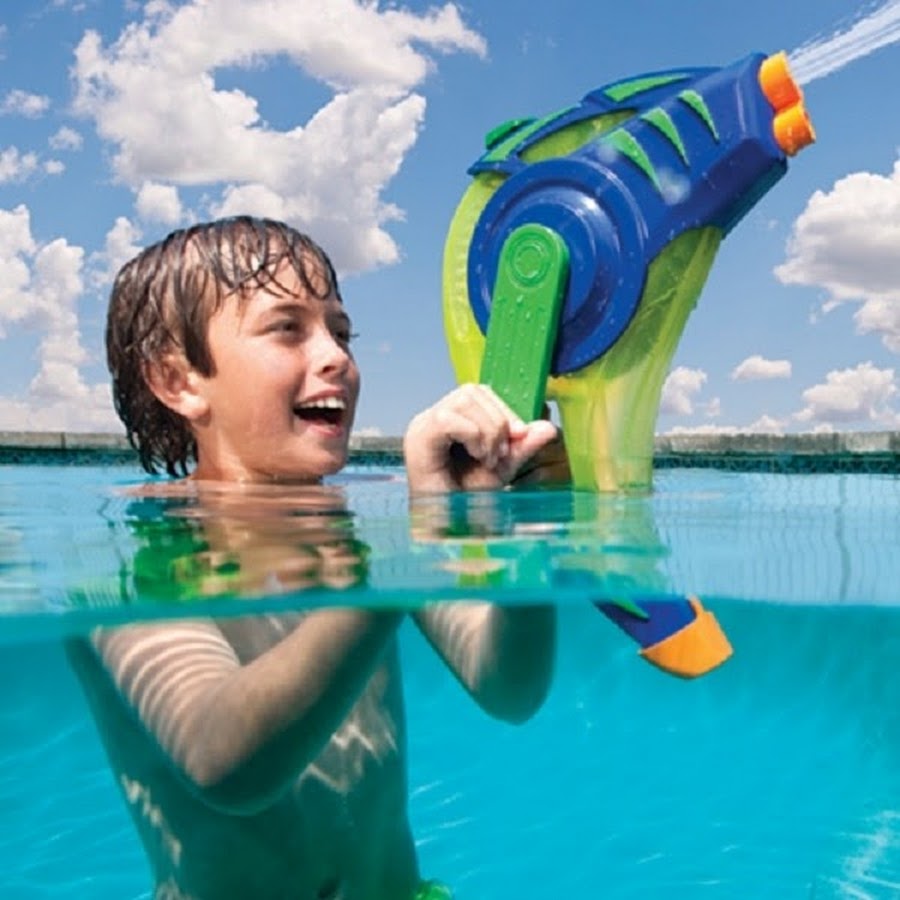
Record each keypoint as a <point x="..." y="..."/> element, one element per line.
<point x="329" y="411"/>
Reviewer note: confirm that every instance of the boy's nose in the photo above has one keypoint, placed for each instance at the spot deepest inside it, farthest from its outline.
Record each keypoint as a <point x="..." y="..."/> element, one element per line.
<point x="328" y="353"/>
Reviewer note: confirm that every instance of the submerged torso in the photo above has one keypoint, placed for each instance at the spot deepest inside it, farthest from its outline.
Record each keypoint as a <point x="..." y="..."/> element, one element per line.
<point x="339" y="832"/>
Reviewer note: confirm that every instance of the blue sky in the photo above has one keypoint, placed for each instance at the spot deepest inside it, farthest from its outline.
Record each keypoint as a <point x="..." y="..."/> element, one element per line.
<point x="358" y="121"/>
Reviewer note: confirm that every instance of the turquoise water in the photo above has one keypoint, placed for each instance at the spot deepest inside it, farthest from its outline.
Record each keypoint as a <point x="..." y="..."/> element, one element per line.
<point x="777" y="775"/>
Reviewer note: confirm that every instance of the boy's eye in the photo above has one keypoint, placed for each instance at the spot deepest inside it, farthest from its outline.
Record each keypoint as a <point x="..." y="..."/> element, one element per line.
<point x="343" y="333"/>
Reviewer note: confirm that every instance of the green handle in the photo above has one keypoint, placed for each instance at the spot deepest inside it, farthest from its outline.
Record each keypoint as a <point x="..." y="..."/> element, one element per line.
<point x="525" y="307"/>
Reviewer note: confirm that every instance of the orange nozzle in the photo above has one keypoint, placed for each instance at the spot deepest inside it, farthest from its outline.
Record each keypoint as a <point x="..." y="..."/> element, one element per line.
<point x="694" y="650"/>
<point x="792" y="127"/>
<point x="777" y="83"/>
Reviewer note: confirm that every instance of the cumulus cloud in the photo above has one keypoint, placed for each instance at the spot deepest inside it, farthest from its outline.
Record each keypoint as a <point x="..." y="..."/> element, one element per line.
<point x="845" y="242"/>
<point x="122" y="242"/>
<point x="41" y="285"/>
<point x="90" y="409"/>
<point x="21" y="103"/>
<point x="66" y="139"/>
<point x="859" y="396"/>
<point x="159" y="203"/>
<point x="765" y="424"/>
<point x="16" y="166"/>
<point x="709" y="428"/>
<point x="680" y="389"/>
<point x="768" y="425"/>
<point x="758" y="368"/>
<point x="369" y="431"/>
<point x="325" y="175"/>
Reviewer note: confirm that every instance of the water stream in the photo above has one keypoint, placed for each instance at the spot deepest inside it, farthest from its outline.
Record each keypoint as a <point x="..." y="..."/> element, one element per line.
<point x="870" y="31"/>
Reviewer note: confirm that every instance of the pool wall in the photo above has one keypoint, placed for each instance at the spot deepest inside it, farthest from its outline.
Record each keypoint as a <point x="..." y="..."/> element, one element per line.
<point x="843" y="451"/>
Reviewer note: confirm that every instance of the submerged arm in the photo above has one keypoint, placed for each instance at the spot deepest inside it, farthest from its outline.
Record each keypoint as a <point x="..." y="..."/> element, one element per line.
<point x="242" y="733"/>
<point x="471" y="440"/>
<point x="503" y="655"/>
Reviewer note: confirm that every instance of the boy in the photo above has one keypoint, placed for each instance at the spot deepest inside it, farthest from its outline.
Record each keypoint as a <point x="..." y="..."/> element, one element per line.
<point x="263" y="757"/>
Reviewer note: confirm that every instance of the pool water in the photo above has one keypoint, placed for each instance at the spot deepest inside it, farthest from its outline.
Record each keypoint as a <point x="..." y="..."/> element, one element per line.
<point x="775" y="776"/>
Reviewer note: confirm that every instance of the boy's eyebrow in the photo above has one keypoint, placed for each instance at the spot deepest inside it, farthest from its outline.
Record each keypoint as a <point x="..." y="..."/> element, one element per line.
<point x="296" y="307"/>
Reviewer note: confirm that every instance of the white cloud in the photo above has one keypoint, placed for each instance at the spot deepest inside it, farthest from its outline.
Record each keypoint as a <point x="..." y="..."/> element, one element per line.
<point x="766" y="424"/>
<point x="325" y="175"/>
<point x="15" y="166"/>
<point x="21" y="103"/>
<point x="863" y="395"/>
<point x="758" y="368"/>
<point x="368" y="432"/>
<point x="16" y="247"/>
<point x="159" y="203"/>
<point x="679" y="390"/>
<point x="54" y="167"/>
<point x="119" y="246"/>
<point x="66" y="139"/>
<point x="703" y="429"/>
<point x="845" y="242"/>
<point x="90" y="409"/>
<point x="39" y="291"/>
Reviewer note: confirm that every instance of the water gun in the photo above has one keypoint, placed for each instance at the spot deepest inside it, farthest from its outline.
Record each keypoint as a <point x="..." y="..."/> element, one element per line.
<point x="581" y="245"/>
<point x="577" y="254"/>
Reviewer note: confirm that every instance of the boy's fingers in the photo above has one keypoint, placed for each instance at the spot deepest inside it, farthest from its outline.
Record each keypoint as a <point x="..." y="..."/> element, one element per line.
<point x="536" y="436"/>
<point x="487" y="413"/>
<point x="500" y="409"/>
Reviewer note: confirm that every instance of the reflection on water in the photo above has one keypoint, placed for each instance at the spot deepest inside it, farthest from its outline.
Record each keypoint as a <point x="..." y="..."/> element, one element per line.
<point x="72" y="542"/>
<point x="196" y="541"/>
<point x="18" y="590"/>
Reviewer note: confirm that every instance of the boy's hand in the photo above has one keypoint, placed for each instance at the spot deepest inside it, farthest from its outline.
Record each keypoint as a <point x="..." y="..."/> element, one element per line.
<point x="470" y="440"/>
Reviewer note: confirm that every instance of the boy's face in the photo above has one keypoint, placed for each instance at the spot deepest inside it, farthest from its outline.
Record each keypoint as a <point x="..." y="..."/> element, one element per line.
<point x="282" y="400"/>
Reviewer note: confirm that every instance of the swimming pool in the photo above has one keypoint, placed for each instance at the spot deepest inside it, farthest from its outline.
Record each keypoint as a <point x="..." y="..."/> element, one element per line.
<point x="776" y="775"/>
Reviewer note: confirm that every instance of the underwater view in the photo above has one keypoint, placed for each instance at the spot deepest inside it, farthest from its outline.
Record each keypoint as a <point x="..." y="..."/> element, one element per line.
<point x="774" y="773"/>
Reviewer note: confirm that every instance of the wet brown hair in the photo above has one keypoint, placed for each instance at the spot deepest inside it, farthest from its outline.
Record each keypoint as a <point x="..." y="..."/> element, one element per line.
<point x="162" y="301"/>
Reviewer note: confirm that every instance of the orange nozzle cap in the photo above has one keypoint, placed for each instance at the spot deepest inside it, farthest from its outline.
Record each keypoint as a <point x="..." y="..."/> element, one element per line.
<point x="793" y="129"/>
<point x="696" y="649"/>
<point x="777" y="83"/>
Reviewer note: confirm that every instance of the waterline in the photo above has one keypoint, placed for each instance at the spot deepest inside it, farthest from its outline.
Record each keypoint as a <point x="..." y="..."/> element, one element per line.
<point x="824" y="55"/>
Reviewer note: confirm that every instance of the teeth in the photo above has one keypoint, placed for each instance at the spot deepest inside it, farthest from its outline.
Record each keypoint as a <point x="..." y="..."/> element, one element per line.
<point x="325" y="403"/>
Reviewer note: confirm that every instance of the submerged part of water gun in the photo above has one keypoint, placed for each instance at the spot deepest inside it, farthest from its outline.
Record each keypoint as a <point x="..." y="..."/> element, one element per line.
<point x="579" y="249"/>
<point x="676" y="634"/>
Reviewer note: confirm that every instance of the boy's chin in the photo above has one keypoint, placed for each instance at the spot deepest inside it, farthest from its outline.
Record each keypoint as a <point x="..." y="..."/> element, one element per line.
<point x="322" y="463"/>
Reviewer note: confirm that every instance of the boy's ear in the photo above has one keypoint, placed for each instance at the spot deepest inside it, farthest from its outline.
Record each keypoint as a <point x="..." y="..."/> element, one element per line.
<point x="177" y="385"/>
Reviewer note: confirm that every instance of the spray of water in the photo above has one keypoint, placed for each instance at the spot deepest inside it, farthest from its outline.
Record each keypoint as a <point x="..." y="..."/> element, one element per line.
<point x="822" y="56"/>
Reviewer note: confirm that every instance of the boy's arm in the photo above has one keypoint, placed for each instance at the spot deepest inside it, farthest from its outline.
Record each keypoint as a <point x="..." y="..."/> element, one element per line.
<point x="242" y="732"/>
<point x="502" y="655"/>
<point x="471" y="440"/>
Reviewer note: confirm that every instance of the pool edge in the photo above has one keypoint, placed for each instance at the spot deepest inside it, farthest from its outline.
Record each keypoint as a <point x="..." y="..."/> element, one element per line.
<point x="841" y="451"/>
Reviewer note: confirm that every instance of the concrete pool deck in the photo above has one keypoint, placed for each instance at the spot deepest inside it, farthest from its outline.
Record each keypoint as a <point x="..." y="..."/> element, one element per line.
<point x="840" y="451"/>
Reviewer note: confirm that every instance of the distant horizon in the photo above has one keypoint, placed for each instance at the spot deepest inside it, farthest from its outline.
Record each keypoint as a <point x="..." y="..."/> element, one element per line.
<point x="366" y="434"/>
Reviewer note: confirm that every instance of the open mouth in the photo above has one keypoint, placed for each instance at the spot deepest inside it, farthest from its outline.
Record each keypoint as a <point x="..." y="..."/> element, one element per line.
<point x="328" y="411"/>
